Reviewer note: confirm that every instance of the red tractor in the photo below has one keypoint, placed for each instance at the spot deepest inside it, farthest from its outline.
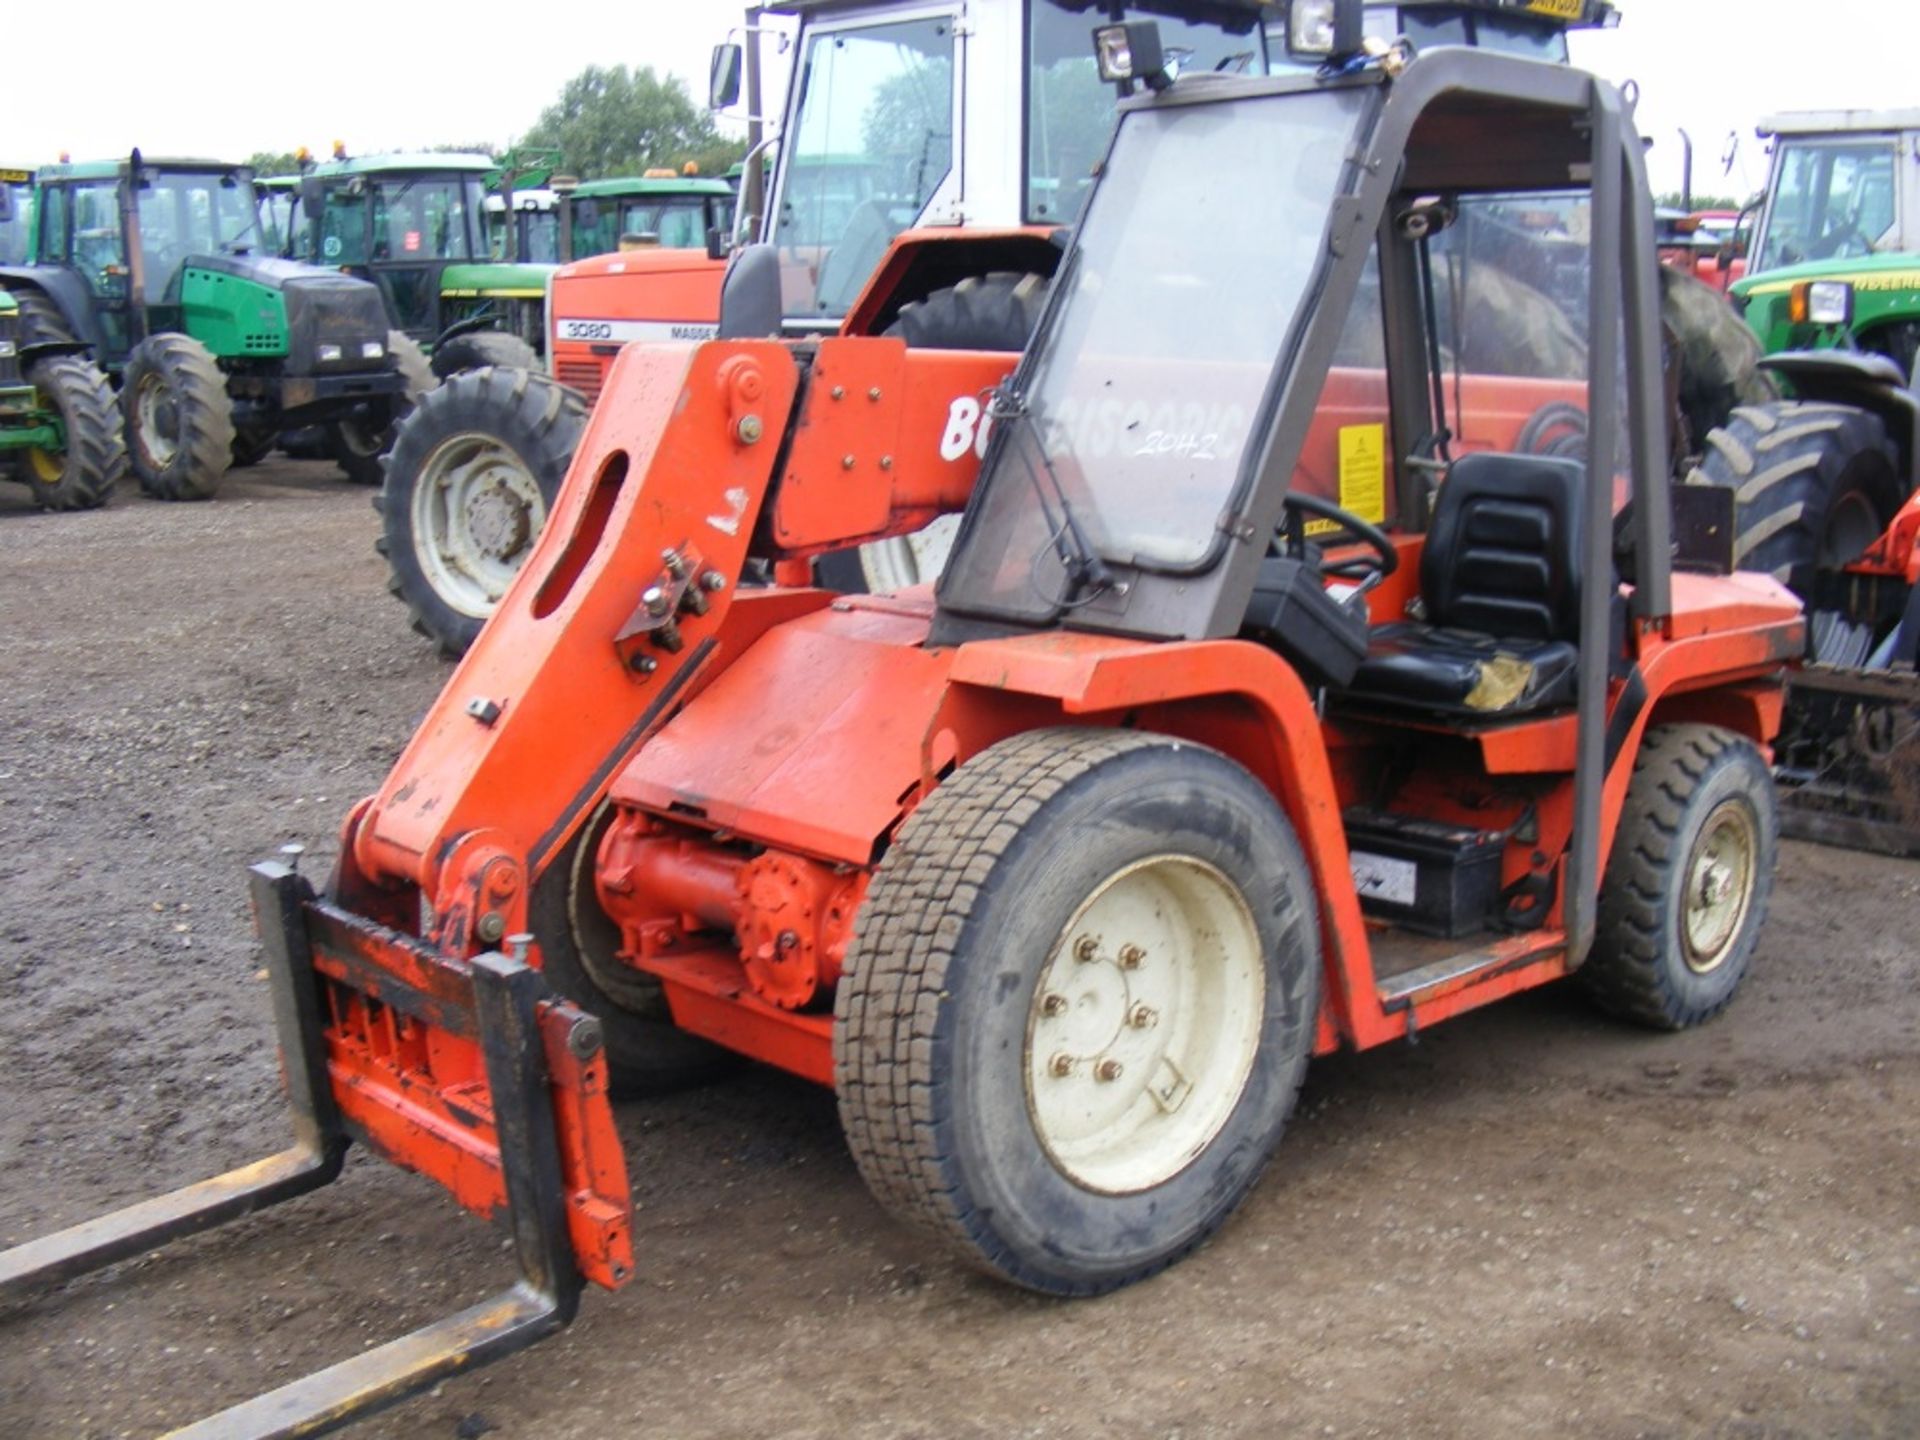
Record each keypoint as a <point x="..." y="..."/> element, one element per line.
<point x="1298" y="681"/>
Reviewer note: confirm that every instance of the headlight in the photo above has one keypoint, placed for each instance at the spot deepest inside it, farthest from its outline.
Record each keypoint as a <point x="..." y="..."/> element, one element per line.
<point x="1129" y="52"/>
<point x="1320" y="29"/>
<point x="1829" y="302"/>
<point x="372" y="350"/>
<point x="328" y="353"/>
<point x="8" y="350"/>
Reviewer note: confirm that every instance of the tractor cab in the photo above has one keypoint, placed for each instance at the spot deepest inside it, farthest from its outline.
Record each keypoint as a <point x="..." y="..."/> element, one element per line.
<point x="671" y="209"/>
<point x="530" y="231"/>
<point x="401" y="221"/>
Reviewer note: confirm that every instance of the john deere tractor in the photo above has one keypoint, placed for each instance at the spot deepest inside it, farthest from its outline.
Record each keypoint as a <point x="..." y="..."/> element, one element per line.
<point x="158" y="267"/>
<point x="59" y="435"/>
<point x="416" y="226"/>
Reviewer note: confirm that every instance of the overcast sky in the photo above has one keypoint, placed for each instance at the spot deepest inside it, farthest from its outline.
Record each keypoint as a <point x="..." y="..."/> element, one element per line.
<point x="398" y="74"/>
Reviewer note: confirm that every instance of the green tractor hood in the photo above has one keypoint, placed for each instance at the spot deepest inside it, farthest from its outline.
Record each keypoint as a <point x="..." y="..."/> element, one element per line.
<point x="495" y="281"/>
<point x="1884" y="290"/>
<point x="313" y="320"/>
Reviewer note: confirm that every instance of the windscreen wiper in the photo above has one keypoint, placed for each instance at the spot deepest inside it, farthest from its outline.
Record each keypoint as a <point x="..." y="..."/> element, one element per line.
<point x="1078" y="557"/>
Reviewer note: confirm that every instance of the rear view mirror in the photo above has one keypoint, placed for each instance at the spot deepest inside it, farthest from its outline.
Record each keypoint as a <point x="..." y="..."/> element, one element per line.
<point x="723" y="78"/>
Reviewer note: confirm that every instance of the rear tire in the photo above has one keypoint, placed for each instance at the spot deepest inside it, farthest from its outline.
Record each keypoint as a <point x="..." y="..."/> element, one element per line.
<point x="1064" y="1115"/>
<point x="477" y="349"/>
<point x="996" y="311"/>
<point x="1814" y="483"/>
<point x="1687" y="884"/>
<point x="84" y="474"/>
<point x="353" y="444"/>
<point x="179" y="417"/>
<point x="41" y="321"/>
<point x="475" y="470"/>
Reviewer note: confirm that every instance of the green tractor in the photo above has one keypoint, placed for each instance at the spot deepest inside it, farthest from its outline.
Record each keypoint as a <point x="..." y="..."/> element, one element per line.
<point x="157" y="266"/>
<point x="59" y="432"/>
<point x="572" y="220"/>
<point x="416" y="226"/>
<point x="1836" y="256"/>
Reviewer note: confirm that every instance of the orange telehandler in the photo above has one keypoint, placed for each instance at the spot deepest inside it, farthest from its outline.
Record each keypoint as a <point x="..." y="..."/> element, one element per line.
<point x="1293" y="685"/>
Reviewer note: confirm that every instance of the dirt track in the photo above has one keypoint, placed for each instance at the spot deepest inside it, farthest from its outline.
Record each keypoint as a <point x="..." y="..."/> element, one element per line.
<point x="1535" y="1220"/>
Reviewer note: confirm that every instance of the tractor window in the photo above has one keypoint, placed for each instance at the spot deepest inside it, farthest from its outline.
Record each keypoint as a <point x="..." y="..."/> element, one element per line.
<point x="16" y="229"/>
<point x="1069" y="110"/>
<point x="1831" y="200"/>
<point x="97" y="252"/>
<point x="343" y="227"/>
<point x="424" y="218"/>
<point x="183" y="214"/>
<point x="680" y="224"/>
<point x="871" y="141"/>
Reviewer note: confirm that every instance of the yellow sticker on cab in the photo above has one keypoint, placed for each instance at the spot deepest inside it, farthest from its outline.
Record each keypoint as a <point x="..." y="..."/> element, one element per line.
<point x="1363" y="471"/>
<point x="15" y="177"/>
<point x="1558" y="9"/>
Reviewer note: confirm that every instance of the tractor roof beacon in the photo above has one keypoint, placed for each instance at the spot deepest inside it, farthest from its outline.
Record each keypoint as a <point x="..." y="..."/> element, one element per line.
<point x="1196" y="797"/>
<point x="158" y="266"/>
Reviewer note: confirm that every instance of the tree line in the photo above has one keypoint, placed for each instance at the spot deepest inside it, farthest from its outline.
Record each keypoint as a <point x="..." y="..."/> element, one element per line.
<point x="608" y="121"/>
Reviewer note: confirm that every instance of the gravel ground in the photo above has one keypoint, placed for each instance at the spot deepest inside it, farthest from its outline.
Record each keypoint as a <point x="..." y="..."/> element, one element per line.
<point x="1533" y="1220"/>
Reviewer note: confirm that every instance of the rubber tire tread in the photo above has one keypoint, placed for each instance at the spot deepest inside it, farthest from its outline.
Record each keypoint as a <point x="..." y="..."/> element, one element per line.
<point x="96" y="455"/>
<point x="203" y="451"/>
<point x="537" y="418"/>
<point x="41" y="321"/>
<point x="477" y="349"/>
<point x="887" y="1005"/>
<point x="360" y="467"/>
<point x="1630" y="971"/>
<point x="1789" y="462"/>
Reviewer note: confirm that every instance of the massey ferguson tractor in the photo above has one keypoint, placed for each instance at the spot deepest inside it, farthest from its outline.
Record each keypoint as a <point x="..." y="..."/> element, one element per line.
<point x="1292" y="686"/>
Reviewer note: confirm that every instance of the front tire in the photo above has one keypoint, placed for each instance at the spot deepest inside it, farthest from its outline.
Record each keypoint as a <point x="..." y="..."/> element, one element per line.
<point x="1688" y="881"/>
<point x="83" y="475"/>
<point x="477" y="349"/>
<point x="359" y="447"/>
<point x="179" y="417"/>
<point x="473" y="473"/>
<point x="1078" y="1006"/>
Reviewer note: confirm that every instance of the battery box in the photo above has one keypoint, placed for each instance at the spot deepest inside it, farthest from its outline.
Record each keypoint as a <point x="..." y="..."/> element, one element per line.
<point x="1423" y="875"/>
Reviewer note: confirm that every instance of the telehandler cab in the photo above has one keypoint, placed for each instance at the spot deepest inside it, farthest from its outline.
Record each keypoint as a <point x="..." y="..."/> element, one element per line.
<point x="1060" y="872"/>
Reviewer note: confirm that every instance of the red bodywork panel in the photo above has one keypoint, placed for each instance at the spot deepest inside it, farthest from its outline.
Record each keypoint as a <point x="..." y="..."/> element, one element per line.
<point x="607" y="301"/>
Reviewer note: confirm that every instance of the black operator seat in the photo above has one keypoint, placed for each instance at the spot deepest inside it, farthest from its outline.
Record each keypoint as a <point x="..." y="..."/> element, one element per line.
<point x="1500" y="581"/>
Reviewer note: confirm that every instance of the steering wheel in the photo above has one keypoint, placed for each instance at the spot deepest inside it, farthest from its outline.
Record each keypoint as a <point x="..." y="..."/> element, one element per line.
<point x="1838" y="242"/>
<point x="1366" y="571"/>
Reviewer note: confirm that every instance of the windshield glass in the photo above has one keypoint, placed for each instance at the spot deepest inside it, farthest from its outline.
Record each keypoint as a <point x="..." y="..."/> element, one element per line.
<point x="1831" y="199"/>
<point x="17" y="223"/>
<point x="184" y="213"/>
<point x="424" y="217"/>
<point x="1175" y="306"/>
<point x="677" y="222"/>
<point x="1070" y="110"/>
<point x="870" y="144"/>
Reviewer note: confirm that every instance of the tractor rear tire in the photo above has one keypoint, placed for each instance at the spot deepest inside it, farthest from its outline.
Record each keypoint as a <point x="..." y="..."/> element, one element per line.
<point x="1718" y="353"/>
<point x="41" y="321"/>
<point x="647" y="1054"/>
<point x="473" y="474"/>
<point x="84" y="474"/>
<point x="1815" y="484"/>
<point x="179" y="417"/>
<point x="1078" y="1005"/>
<point x="996" y="311"/>
<point x="356" y="447"/>
<point x="1687" y="884"/>
<point x="477" y="349"/>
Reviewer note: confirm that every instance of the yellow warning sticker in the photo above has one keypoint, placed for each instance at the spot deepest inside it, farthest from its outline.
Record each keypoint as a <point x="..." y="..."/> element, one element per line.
<point x="1363" y="471"/>
<point x="1559" y="9"/>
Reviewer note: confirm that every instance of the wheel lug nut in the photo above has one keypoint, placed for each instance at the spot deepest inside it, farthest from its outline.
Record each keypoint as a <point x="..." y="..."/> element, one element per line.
<point x="1107" y="1070"/>
<point x="1086" y="949"/>
<point x="1060" y="1066"/>
<point x="1143" y="1017"/>
<point x="1053" y="1005"/>
<point x="1131" y="956"/>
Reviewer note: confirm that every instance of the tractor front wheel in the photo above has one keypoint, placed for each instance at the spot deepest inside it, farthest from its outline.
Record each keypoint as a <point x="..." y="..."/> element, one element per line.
<point x="1078" y="1006"/>
<point x="1687" y="884"/>
<point x="179" y="417"/>
<point x="84" y="474"/>
<point x="477" y="349"/>
<point x="469" y="483"/>
<point x="360" y="447"/>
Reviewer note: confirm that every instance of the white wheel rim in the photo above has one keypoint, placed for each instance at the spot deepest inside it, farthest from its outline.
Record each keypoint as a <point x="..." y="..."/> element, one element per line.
<point x="908" y="560"/>
<point x="476" y="513"/>
<point x="1144" y="1025"/>
<point x="1720" y="882"/>
<point x="148" y="402"/>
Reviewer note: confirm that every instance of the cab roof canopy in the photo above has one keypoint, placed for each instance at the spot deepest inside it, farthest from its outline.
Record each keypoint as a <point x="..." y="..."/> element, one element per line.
<point x="1527" y="130"/>
<point x="1560" y="14"/>
<point x="412" y="161"/>
<point x="111" y="169"/>
<point x="652" y="185"/>
<point x="1235" y="14"/>
<point x="1833" y="122"/>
